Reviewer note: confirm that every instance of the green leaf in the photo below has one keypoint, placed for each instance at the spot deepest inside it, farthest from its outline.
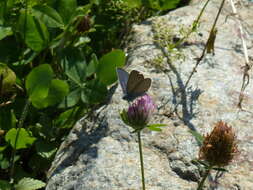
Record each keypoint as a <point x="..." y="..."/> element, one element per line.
<point x="48" y="15"/>
<point x="29" y="56"/>
<point x="81" y="11"/>
<point x="106" y="71"/>
<point x="24" y="138"/>
<point x="74" y="65"/>
<point x="58" y="90"/>
<point x="91" y="68"/>
<point x="71" y="99"/>
<point x="124" y="118"/>
<point x="66" y="8"/>
<point x="5" y="31"/>
<point x="133" y="3"/>
<point x="29" y="184"/>
<point x="197" y="136"/>
<point x="82" y="41"/>
<point x="45" y="149"/>
<point x="94" y="92"/>
<point x="156" y="127"/>
<point x="171" y="4"/>
<point x="161" y="4"/>
<point x="2" y="148"/>
<point x="2" y="11"/>
<point x="85" y="96"/>
<point x="96" y="2"/>
<point x="33" y="31"/>
<point x="67" y="118"/>
<point x="38" y="82"/>
<point x="5" y="185"/>
<point x="4" y="163"/>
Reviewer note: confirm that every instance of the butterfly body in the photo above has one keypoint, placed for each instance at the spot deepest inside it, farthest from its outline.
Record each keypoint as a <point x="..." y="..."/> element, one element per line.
<point x="133" y="85"/>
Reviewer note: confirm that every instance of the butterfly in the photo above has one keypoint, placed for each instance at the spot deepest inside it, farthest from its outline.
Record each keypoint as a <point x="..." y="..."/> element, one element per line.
<point x="133" y="85"/>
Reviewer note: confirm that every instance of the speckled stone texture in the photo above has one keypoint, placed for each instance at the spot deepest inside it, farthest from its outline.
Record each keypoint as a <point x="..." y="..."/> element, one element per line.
<point x="100" y="153"/>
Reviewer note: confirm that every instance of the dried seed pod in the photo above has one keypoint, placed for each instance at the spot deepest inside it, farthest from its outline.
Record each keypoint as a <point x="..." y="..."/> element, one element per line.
<point x="220" y="146"/>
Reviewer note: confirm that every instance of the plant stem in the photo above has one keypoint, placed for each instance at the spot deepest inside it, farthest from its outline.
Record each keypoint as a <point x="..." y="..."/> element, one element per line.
<point x="193" y="28"/>
<point x="141" y="159"/>
<point x="194" y="25"/>
<point x="201" y="184"/>
<point x="247" y="66"/>
<point x="204" y="50"/>
<point x="20" y="125"/>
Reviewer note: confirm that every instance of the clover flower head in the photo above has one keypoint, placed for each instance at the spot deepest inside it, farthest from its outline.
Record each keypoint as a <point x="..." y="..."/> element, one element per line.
<point x="139" y="112"/>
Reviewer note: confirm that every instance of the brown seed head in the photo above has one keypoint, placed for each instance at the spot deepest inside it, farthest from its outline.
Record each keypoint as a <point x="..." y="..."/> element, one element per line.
<point x="220" y="146"/>
<point x="84" y="25"/>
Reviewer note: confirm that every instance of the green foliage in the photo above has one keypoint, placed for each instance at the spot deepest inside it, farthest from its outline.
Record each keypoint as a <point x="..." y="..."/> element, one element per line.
<point x="57" y="61"/>
<point x="156" y="127"/>
<point x="133" y="4"/>
<point x="42" y="89"/>
<point x="4" y="164"/>
<point x="45" y="149"/>
<point x="5" y="31"/>
<point x="124" y="118"/>
<point x="29" y="184"/>
<point x="66" y="8"/>
<point x="48" y="15"/>
<point x="38" y="82"/>
<point x="106" y="70"/>
<point x="161" y="4"/>
<point x="33" y="31"/>
<point x="19" y="138"/>
<point x="5" y="185"/>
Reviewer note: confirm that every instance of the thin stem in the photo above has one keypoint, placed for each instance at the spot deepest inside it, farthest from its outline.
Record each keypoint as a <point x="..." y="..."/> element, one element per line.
<point x="247" y="66"/>
<point x="141" y="159"/>
<point x="245" y="50"/>
<point x="201" y="184"/>
<point x="204" y="50"/>
<point x="20" y="125"/>
<point x="194" y="25"/>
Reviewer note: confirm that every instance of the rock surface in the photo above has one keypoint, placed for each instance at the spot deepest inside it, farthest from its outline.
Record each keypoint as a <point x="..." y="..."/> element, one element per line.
<point x="101" y="153"/>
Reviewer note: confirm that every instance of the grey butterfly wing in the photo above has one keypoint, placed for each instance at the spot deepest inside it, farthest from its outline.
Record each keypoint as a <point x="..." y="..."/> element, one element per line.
<point x="134" y="78"/>
<point x="141" y="88"/>
<point x="137" y="85"/>
<point x="123" y="78"/>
